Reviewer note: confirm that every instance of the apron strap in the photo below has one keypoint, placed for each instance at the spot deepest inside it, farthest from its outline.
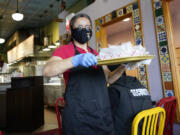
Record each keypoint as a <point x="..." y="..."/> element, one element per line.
<point x="77" y="52"/>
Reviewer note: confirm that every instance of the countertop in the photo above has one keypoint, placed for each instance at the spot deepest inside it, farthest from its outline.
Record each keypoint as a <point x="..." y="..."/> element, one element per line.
<point x="4" y="86"/>
<point x="53" y="84"/>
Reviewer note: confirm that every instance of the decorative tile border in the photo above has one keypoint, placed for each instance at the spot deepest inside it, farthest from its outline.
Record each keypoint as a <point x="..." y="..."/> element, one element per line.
<point x="169" y="93"/>
<point x="133" y="9"/>
<point x="162" y="45"/>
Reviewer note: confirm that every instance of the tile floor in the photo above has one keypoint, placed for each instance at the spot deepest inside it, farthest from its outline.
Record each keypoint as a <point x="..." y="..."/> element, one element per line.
<point x="50" y="122"/>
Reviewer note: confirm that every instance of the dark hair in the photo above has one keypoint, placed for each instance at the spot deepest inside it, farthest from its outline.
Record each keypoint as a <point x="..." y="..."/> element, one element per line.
<point x="74" y="18"/>
<point x="113" y="67"/>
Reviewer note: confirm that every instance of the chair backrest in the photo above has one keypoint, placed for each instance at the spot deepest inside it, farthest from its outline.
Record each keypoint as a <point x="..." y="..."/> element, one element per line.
<point x="150" y="119"/>
<point x="169" y="104"/>
<point x="59" y="101"/>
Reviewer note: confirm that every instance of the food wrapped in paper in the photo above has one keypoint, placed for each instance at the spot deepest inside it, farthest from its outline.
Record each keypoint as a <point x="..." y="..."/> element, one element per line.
<point x="125" y="53"/>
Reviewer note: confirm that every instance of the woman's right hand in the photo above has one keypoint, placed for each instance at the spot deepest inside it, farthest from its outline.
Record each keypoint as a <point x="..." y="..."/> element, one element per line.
<point x="84" y="59"/>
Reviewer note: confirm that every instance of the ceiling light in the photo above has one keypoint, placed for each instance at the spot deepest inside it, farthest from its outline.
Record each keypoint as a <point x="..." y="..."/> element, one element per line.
<point x="17" y="16"/>
<point x="2" y="40"/>
<point x="127" y="19"/>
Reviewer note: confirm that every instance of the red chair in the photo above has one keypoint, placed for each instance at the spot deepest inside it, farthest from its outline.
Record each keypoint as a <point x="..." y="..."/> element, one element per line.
<point x="0" y="133"/>
<point x="59" y="106"/>
<point x="169" y="104"/>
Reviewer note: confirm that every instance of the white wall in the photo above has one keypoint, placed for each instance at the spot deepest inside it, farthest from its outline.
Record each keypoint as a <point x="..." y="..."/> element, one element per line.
<point x="62" y="25"/>
<point x="95" y="10"/>
<point x="102" y="7"/>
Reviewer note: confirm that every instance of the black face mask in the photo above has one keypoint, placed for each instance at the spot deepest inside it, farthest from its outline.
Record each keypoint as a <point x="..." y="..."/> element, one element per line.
<point x="81" y="35"/>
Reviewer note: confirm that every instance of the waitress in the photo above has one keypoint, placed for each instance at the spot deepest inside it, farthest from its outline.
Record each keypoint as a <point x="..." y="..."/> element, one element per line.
<point x="87" y="110"/>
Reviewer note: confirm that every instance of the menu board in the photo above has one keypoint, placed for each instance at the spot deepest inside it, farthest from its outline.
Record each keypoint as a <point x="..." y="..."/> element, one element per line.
<point x="22" y="50"/>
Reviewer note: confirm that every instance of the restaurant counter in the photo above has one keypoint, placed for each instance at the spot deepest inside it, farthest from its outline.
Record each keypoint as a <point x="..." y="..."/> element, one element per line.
<point x="52" y="91"/>
<point x="22" y="102"/>
<point x="4" y="86"/>
<point x="3" y="97"/>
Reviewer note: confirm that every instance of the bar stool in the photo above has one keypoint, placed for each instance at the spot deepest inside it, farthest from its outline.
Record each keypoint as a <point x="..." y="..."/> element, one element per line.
<point x="59" y="109"/>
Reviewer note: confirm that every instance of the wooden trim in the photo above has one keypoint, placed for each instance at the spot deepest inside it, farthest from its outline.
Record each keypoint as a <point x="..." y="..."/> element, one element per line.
<point x="117" y="19"/>
<point x="171" y="47"/>
<point x="103" y="37"/>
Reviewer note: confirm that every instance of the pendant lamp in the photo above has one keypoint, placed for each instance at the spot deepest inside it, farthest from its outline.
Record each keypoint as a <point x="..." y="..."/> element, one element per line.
<point x="2" y="40"/>
<point x="17" y="16"/>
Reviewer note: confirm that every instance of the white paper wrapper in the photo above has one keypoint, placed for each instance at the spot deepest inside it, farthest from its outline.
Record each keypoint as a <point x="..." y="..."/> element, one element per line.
<point x="133" y="65"/>
<point x="124" y="50"/>
<point x="119" y="51"/>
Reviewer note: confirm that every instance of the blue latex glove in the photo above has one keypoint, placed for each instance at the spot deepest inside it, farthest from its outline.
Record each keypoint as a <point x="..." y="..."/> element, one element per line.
<point x="85" y="59"/>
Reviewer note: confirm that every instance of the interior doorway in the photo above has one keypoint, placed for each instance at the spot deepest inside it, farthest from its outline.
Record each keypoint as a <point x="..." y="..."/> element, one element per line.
<point x="120" y="32"/>
<point x="175" y="18"/>
<point x="167" y="33"/>
<point x="133" y="12"/>
<point x="174" y="32"/>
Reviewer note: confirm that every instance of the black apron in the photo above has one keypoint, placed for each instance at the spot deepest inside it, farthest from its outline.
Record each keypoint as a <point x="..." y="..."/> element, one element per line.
<point x="127" y="97"/>
<point x="87" y="110"/>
